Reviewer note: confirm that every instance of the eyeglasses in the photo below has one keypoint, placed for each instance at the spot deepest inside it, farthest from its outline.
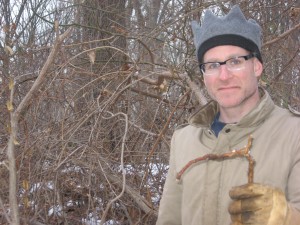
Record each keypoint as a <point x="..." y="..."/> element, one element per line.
<point x="232" y="64"/>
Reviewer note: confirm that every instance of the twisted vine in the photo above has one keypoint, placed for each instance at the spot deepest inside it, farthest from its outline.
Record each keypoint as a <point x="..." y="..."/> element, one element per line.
<point x="243" y="152"/>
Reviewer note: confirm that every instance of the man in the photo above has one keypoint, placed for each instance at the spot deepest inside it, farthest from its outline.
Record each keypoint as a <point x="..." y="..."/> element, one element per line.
<point x="217" y="192"/>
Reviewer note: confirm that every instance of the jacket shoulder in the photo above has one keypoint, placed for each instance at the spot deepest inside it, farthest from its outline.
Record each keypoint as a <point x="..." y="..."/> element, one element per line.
<point x="181" y="126"/>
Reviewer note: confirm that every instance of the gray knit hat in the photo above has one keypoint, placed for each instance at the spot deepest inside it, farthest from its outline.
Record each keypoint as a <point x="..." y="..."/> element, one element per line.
<point x="232" y="29"/>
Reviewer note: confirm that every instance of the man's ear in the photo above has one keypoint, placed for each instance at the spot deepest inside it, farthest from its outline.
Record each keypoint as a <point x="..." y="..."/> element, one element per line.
<point x="258" y="68"/>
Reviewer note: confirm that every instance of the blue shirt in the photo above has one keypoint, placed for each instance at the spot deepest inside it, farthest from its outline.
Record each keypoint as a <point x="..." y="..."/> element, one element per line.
<point x="217" y="125"/>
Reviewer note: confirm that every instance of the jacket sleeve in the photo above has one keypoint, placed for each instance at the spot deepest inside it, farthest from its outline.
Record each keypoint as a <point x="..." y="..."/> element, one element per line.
<point x="170" y="205"/>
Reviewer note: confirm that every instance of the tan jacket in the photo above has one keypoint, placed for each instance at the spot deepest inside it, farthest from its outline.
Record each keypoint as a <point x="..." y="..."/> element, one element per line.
<point x="201" y="197"/>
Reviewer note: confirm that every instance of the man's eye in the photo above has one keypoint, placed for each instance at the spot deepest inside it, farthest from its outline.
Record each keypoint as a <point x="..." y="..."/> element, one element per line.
<point x="212" y="66"/>
<point x="234" y="62"/>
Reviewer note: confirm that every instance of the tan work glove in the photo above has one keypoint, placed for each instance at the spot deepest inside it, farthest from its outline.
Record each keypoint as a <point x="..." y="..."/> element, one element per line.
<point x="257" y="204"/>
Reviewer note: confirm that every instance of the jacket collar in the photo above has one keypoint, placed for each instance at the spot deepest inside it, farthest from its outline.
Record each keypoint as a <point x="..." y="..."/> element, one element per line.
<point x="205" y="116"/>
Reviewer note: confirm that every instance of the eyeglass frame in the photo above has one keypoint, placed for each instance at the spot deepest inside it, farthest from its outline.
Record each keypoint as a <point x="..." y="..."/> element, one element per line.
<point x="246" y="57"/>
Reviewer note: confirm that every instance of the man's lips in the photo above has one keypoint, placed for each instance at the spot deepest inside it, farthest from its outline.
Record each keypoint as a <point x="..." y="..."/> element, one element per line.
<point x="228" y="88"/>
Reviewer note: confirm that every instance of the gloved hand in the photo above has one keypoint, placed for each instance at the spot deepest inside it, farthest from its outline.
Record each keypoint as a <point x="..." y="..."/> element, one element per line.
<point x="258" y="204"/>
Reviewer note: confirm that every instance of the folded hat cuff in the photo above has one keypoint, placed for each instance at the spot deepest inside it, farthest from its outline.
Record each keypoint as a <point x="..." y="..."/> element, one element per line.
<point x="228" y="39"/>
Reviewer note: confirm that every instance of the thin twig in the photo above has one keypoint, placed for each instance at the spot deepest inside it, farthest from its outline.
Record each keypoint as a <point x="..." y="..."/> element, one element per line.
<point x="4" y="211"/>
<point x="243" y="152"/>
<point x="282" y="35"/>
<point x="68" y="156"/>
<point x="162" y="133"/>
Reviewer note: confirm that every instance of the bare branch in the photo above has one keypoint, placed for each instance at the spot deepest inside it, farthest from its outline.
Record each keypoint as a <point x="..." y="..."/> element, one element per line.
<point x="41" y="77"/>
<point x="282" y="35"/>
<point x="243" y="152"/>
<point x="139" y="200"/>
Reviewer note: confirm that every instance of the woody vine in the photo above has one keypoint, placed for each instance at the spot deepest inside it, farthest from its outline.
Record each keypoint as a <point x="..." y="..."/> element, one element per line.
<point x="243" y="152"/>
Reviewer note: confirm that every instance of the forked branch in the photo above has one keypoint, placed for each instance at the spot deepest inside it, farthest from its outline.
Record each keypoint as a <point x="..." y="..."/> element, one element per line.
<point x="243" y="152"/>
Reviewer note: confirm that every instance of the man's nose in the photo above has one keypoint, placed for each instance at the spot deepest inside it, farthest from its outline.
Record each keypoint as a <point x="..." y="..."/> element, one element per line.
<point x="224" y="72"/>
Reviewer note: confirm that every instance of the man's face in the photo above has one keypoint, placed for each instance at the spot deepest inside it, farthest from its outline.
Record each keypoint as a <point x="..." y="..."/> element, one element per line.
<point x="233" y="88"/>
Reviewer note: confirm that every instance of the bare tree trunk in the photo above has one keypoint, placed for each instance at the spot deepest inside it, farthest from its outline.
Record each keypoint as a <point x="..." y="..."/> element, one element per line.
<point x="13" y="186"/>
<point x="15" y="116"/>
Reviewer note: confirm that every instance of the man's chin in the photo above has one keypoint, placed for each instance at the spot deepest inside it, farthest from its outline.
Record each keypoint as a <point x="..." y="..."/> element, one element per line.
<point x="225" y="103"/>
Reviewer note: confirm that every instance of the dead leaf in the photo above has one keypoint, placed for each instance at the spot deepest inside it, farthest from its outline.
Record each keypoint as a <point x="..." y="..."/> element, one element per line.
<point x="9" y="106"/>
<point x="92" y="56"/>
<point x="25" y="185"/>
<point x="8" y="50"/>
<point x="16" y="142"/>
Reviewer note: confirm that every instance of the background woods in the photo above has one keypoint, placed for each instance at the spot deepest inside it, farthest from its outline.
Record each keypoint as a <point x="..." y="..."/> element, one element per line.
<point x="91" y="92"/>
